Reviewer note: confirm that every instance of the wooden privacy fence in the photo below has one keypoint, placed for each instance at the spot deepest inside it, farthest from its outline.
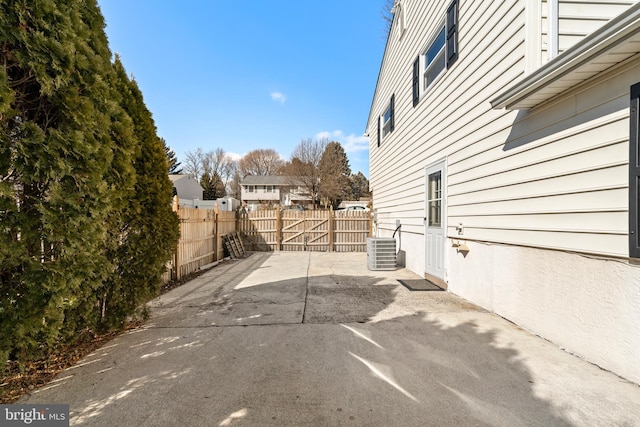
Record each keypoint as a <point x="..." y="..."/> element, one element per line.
<point x="200" y="243"/>
<point x="317" y="230"/>
<point x="202" y="231"/>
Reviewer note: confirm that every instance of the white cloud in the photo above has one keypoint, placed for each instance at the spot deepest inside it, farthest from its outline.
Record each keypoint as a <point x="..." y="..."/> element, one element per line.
<point x="234" y="156"/>
<point x="323" y="135"/>
<point x="354" y="143"/>
<point x="350" y="143"/>
<point x="278" y="97"/>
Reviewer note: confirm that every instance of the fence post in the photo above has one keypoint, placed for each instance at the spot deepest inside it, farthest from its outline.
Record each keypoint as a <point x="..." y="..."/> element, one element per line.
<point x="331" y="227"/>
<point x="216" y="231"/>
<point x="278" y="230"/>
<point x="177" y="258"/>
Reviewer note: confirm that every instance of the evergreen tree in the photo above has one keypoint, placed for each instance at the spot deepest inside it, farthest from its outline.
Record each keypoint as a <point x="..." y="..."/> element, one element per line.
<point x="57" y="151"/>
<point x="359" y="186"/>
<point x="147" y="232"/>
<point x="213" y="186"/>
<point x="334" y="174"/>
<point x="172" y="160"/>
<point x="85" y="209"/>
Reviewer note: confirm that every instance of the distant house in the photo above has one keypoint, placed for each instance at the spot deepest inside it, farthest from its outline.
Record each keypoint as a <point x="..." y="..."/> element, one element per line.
<point x="504" y="141"/>
<point x="186" y="187"/>
<point x="259" y="191"/>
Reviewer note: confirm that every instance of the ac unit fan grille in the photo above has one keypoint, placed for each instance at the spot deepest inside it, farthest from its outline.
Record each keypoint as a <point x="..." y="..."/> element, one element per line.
<point x="381" y="253"/>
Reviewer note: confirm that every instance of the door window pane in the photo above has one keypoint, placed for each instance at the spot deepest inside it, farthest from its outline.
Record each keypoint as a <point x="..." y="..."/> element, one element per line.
<point x="434" y="199"/>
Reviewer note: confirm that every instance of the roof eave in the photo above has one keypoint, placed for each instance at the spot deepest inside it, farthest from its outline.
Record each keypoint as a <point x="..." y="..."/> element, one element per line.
<point x="614" y="32"/>
<point x="384" y="54"/>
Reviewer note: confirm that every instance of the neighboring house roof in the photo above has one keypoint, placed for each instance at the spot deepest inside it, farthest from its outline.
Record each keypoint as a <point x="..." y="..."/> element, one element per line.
<point x="266" y="180"/>
<point x="614" y="42"/>
<point x="186" y="186"/>
<point x="175" y="178"/>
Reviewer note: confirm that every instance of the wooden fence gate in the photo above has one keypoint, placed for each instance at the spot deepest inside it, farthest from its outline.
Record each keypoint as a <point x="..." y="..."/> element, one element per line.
<point x="312" y="230"/>
<point x="306" y="231"/>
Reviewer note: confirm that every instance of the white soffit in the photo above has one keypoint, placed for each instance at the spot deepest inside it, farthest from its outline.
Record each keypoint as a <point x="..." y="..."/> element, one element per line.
<point x="614" y="42"/>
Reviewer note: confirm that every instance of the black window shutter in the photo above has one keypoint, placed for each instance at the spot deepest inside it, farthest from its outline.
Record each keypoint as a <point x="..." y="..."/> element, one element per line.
<point x="634" y="173"/>
<point x="392" y="125"/>
<point x="452" y="33"/>
<point x="416" y="81"/>
<point x="379" y="137"/>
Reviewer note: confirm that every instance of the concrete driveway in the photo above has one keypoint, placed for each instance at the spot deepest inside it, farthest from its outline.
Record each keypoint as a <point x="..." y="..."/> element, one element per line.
<point x="316" y="339"/>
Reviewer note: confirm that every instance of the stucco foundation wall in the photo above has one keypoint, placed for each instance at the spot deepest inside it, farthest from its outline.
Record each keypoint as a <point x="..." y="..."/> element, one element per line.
<point x="411" y="247"/>
<point x="586" y="305"/>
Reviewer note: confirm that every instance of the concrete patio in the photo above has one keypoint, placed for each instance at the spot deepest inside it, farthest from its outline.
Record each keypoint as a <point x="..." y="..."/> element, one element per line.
<point x="299" y="338"/>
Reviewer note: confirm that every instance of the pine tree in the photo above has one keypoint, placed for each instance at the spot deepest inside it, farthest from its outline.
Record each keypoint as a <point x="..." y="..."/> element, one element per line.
<point x="359" y="186"/>
<point x="172" y="160"/>
<point x="334" y="174"/>
<point x="213" y="186"/>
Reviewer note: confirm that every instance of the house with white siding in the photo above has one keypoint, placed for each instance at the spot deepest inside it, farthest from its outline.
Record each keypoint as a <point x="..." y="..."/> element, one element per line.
<point x="262" y="191"/>
<point x="504" y="144"/>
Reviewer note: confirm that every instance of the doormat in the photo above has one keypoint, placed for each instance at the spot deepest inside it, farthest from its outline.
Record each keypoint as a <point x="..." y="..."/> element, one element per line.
<point x="420" y="285"/>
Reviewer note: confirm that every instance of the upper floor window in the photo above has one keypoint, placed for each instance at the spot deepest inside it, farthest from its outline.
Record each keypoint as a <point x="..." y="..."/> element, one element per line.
<point x="268" y="188"/>
<point x="250" y="189"/>
<point x="434" y="59"/>
<point x="440" y="54"/>
<point x="386" y="121"/>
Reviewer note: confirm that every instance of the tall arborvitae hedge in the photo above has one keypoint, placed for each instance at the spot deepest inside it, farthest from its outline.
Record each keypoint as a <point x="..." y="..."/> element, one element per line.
<point x="148" y="225"/>
<point x="70" y="171"/>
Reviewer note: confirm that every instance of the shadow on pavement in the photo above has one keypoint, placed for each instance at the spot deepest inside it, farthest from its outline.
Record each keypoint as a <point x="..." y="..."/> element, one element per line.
<point x="309" y="352"/>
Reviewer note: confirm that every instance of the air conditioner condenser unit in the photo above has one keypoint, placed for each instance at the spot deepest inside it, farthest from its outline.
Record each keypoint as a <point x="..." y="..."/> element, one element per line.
<point x="381" y="253"/>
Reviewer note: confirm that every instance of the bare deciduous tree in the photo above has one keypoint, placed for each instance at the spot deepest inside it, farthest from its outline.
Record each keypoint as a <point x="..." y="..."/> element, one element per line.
<point x="193" y="163"/>
<point x="234" y="188"/>
<point x="261" y="162"/>
<point x="303" y="169"/>
<point x="387" y="15"/>
<point x="211" y="163"/>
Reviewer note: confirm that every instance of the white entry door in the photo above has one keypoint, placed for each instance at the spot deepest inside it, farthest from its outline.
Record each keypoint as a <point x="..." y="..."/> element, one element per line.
<point x="435" y="220"/>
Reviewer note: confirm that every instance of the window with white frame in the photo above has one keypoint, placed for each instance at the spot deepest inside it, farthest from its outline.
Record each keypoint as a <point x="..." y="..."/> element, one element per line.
<point x="250" y="189"/>
<point x="434" y="58"/>
<point x="386" y="121"/>
<point x="440" y="54"/>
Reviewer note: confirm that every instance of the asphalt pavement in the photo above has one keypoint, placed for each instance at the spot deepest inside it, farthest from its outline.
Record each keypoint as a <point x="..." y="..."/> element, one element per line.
<point x="316" y="339"/>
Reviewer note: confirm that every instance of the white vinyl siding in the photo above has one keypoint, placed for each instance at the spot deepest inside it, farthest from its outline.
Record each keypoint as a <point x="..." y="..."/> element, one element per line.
<point x="578" y="19"/>
<point x="398" y="180"/>
<point x="555" y="177"/>
<point x="260" y="192"/>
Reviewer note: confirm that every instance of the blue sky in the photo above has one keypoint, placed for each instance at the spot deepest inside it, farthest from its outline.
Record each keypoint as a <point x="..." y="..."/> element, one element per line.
<point x="253" y="74"/>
